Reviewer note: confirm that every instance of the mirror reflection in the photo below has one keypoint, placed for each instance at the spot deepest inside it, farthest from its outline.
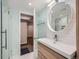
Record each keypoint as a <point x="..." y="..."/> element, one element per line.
<point x="59" y="16"/>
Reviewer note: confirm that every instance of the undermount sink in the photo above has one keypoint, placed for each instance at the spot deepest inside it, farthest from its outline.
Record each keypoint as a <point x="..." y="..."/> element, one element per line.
<point x="65" y="50"/>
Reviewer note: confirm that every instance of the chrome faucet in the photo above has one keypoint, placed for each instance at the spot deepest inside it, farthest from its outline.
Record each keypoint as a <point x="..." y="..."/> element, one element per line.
<point x="55" y="38"/>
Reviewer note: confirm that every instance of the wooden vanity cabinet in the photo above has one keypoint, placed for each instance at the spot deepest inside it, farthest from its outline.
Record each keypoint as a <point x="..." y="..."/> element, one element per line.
<point x="46" y="53"/>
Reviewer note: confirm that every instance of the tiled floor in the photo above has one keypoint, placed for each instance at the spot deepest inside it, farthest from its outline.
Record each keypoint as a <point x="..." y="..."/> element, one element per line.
<point x="26" y="56"/>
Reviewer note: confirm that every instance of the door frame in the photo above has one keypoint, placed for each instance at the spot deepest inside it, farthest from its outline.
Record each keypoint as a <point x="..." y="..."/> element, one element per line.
<point x="20" y="27"/>
<point x="77" y="27"/>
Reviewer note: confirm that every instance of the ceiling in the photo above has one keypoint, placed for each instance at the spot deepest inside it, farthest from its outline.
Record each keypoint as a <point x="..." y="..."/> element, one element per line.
<point x="39" y="4"/>
<point x="24" y="4"/>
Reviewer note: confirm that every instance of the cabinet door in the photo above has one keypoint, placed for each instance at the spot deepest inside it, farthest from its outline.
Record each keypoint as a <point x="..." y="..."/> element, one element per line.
<point x="41" y="56"/>
<point x="48" y="53"/>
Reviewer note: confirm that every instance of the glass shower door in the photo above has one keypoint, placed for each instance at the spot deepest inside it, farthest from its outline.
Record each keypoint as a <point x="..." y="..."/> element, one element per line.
<point x="0" y="28"/>
<point x="4" y="30"/>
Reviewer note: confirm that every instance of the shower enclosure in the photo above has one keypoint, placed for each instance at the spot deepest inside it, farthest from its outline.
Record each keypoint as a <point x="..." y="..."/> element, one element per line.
<point x="4" y="30"/>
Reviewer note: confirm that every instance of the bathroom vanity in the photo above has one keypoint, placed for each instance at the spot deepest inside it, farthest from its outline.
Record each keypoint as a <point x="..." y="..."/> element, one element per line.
<point x="59" y="17"/>
<point x="56" y="50"/>
<point x="47" y="53"/>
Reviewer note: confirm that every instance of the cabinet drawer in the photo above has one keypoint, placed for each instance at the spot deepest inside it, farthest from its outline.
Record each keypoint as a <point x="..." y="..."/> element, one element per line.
<point x="48" y="53"/>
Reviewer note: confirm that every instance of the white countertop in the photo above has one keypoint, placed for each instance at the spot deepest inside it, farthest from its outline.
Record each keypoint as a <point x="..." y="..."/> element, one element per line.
<point x="66" y="50"/>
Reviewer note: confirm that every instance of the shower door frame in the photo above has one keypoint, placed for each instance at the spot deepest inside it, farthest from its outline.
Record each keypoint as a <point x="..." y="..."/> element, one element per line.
<point x="1" y="28"/>
<point x="4" y="31"/>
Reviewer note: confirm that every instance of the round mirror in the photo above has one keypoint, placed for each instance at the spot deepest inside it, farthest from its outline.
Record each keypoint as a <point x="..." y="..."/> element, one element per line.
<point x="59" y="16"/>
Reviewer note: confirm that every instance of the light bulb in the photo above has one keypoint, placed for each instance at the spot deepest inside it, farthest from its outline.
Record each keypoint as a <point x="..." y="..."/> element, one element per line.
<point x="30" y="4"/>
